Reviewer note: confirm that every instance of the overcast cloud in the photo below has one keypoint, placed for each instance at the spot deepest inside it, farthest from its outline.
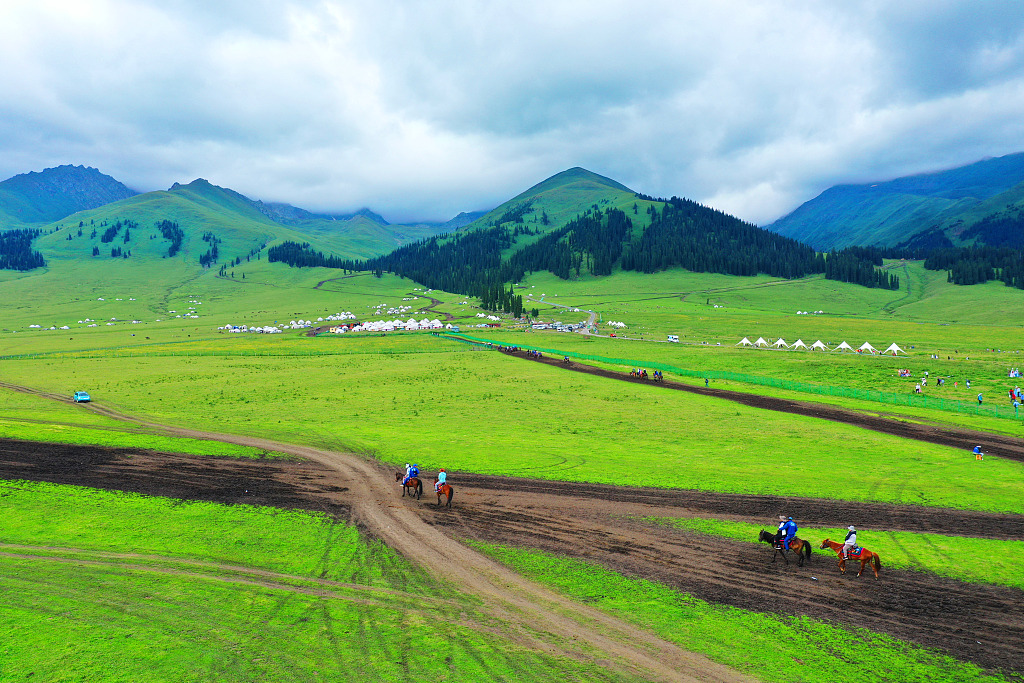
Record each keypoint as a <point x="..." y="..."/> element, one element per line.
<point x="423" y="109"/>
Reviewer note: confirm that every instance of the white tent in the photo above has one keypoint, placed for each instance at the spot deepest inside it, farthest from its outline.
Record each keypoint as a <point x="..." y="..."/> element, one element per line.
<point x="819" y="345"/>
<point x="866" y="346"/>
<point x="843" y="347"/>
<point x="799" y="344"/>
<point x="893" y="349"/>
<point x="744" y="342"/>
<point x="760" y="342"/>
<point x="781" y="343"/>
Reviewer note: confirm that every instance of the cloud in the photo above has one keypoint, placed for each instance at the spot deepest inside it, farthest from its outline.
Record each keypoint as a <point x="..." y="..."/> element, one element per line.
<point x="422" y="110"/>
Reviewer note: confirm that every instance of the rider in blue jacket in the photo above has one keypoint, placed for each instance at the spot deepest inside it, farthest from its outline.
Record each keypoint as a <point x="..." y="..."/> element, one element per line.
<point x="788" y="529"/>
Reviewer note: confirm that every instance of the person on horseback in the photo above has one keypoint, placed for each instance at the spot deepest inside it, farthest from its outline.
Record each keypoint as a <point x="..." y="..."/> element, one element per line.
<point x="780" y="533"/>
<point x="788" y="528"/>
<point x="442" y="476"/>
<point x="849" y="542"/>
<point x="410" y="472"/>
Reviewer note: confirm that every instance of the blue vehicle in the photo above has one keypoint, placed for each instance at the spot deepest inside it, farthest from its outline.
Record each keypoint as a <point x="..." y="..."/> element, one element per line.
<point x="81" y="397"/>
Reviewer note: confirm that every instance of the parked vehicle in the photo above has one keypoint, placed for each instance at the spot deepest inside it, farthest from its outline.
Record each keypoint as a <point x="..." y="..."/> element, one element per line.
<point x="673" y="338"/>
<point x="81" y="397"/>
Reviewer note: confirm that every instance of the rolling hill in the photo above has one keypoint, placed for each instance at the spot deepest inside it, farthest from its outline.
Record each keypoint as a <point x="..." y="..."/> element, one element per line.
<point x="896" y="212"/>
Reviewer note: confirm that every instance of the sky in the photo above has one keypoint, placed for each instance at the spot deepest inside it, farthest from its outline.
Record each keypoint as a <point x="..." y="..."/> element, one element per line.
<point x="421" y="109"/>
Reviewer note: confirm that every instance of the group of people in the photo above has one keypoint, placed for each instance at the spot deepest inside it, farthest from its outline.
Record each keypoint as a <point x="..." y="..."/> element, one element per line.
<point x="788" y="528"/>
<point x="413" y="470"/>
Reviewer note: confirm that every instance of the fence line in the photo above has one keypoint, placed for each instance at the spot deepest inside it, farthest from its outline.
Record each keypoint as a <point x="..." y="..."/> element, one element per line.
<point x="873" y="395"/>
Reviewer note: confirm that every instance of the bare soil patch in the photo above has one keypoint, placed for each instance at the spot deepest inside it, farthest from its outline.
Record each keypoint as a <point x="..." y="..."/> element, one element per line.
<point x="983" y="624"/>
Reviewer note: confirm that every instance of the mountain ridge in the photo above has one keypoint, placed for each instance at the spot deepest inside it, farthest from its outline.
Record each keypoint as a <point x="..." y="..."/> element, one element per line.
<point x="37" y="198"/>
<point x="892" y="212"/>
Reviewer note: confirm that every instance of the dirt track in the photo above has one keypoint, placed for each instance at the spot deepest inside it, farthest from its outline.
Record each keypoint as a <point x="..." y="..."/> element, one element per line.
<point x="976" y="623"/>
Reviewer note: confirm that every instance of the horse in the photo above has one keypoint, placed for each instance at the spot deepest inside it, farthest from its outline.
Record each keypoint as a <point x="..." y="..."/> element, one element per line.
<point x="414" y="487"/>
<point x="865" y="556"/>
<point x="445" y="490"/>
<point x="801" y="547"/>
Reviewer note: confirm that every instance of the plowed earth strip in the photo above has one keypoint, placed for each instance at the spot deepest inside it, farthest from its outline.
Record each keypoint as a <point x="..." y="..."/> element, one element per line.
<point x="983" y="624"/>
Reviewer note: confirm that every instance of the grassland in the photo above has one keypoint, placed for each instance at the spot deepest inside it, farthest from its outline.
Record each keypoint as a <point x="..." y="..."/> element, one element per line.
<point x="767" y="646"/>
<point x="490" y="413"/>
<point x="34" y="418"/>
<point x="981" y="560"/>
<point x="102" y="586"/>
<point x="414" y="397"/>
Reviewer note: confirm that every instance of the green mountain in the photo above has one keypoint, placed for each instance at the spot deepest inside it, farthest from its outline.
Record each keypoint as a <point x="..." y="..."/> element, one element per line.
<point x="557" y="200"/>
<point x="894" y="212"/>
<point x="34" y="198"/>
<point x="577" y="224"/>
<point x="242" y="227"/>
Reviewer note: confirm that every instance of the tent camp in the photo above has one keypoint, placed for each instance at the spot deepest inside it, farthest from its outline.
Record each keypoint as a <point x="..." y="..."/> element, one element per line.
<point x="819" y="345"/>
<point x="781" y="344"/>
<point x="760" y="342"/>
<point x="843" y="347"/>
<point x="745" y="342"/>
<point x="894" y="350"/>
<point x="866" y="346"/>
<point x="799" y="344"/>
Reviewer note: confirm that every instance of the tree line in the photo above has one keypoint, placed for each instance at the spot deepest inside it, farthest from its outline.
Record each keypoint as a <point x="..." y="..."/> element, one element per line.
<point x="977" y="265"/>
<point x="16" y="251"/>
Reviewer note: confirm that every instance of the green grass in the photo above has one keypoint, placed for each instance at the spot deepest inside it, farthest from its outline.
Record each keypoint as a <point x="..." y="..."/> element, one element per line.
<point x="767" y="646"/>
<point x="975" y="560"/>
<point x="81" y="614"/>
<point x="34" y="418"/>
<point x="490" y="413"/>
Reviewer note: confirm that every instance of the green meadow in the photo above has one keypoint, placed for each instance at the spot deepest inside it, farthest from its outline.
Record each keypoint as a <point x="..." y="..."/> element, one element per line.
<point x="34" y="418"/>
<point x="104" y="586"/>
<point x="188" y="593"/>
<point x="486" y="412"/>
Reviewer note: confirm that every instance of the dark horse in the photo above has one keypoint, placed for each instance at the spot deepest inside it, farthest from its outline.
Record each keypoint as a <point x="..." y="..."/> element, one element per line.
<point x="414" y="487"/>
<point x="865" y="556"/>
<point x="444" y="490"/>
<point x="800" y="547"/>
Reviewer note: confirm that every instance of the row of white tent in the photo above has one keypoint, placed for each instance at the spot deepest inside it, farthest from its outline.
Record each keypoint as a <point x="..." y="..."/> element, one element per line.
<point x="866" y="347"/>
<point x="392" y="325"/>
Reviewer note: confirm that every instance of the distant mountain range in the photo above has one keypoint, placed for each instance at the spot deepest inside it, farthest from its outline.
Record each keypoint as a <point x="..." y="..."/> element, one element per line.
<point x="978" y="204"/>
<point x="47" y="196"/>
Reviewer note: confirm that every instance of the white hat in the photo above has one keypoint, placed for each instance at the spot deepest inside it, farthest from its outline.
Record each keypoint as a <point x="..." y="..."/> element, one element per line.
<point x="851" y="528"/>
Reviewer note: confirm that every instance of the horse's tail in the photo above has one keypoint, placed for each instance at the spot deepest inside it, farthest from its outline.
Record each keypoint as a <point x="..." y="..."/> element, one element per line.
<point x="807" y="546"/>
<point x="878" y="564"/>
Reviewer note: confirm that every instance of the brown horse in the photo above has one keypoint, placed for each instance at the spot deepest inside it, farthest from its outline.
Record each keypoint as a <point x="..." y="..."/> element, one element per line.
<point x="865" y="556"/>
<point x="801" y="547"/>
<point x="444" y="490"/>
<point x="414" y="487"/>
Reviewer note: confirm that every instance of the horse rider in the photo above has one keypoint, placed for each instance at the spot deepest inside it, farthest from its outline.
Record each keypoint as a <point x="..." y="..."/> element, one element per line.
<point x="849" y="542"/>
<point x="782" y="531"/>
<point x="788" y="528"/>
<point x="410" y="472"/>
<point x="442" y="476"/>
